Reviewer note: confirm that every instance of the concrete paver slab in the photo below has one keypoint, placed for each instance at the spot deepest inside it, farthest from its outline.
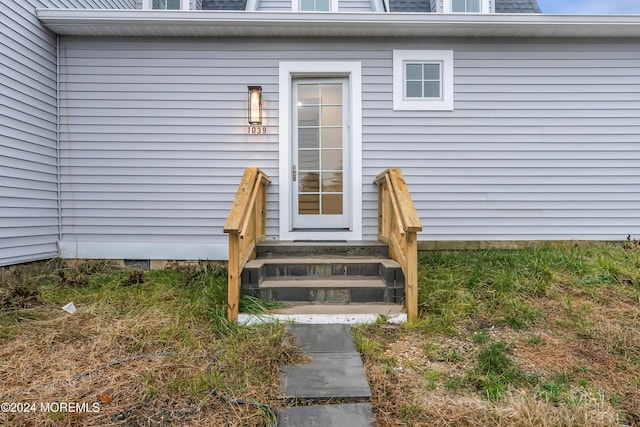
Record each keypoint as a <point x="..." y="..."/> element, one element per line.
<point x="344" y="415"/>
<point x="323" y="338"/>
<point x="326" y="376"/>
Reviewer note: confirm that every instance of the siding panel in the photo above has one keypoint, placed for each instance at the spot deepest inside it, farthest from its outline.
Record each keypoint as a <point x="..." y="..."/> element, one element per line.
<point x="28" y="189"/>
<point x="543" y="142"/>
<point x="28" y="172"/>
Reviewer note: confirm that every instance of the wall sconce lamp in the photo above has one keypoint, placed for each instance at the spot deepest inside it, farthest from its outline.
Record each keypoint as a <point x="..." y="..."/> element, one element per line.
<point x="255" y="105"/>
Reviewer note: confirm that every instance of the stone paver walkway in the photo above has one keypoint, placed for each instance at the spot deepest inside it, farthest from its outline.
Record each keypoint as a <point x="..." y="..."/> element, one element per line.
<point x="335" y="371"/>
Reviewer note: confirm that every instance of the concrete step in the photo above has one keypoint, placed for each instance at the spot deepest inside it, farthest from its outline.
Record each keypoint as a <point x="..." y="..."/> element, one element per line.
<point x="280" y="249"/>
<point x="322" y="291"/>
<point x="257" y="271"/>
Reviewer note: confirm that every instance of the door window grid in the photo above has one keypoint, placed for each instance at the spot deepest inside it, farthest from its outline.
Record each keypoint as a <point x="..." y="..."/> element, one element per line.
<point x="320" y="180"/>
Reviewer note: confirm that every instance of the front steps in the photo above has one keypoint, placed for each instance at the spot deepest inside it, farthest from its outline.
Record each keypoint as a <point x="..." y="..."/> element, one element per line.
<point x="324" y="273"/>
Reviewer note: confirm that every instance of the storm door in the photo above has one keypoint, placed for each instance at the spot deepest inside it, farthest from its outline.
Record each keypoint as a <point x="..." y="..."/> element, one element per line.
<point x="320" y="154"/>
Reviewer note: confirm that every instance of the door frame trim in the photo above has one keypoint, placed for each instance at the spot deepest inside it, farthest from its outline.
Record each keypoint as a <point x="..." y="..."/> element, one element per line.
<point x="287" y="72"/>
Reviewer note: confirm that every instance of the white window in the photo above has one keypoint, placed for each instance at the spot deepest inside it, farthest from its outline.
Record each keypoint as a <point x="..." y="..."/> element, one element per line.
<point x="423" y="80"/>
<point x="315" y="5"/>
<point x="467" y="6"/>
<point x="166" y="4"/>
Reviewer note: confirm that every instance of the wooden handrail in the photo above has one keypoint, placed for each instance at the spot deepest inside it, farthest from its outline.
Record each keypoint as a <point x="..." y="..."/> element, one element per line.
<point x="398" y="226"/>
<point x="246" y="226"/>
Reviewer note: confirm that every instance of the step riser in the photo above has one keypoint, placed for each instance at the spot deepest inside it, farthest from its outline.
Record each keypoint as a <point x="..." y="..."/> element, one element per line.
<point x="386" y="295"/>
<point x="296" y="251"/>
<point x="255" y="276"/>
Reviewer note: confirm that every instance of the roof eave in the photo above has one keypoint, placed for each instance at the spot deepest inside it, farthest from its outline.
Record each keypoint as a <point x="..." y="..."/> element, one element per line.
<point x="278" y="24"/>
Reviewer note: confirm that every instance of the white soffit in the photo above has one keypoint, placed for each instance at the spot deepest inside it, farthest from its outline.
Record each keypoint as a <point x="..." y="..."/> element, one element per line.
<point x="277" y="24"/>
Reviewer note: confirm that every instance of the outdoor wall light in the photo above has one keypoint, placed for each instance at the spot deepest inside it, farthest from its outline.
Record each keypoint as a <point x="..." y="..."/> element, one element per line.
<point x="255" y="105"/>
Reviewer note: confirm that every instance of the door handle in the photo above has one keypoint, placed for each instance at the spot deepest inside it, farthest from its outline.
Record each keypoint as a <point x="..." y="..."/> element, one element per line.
<point x="294" y="174"/>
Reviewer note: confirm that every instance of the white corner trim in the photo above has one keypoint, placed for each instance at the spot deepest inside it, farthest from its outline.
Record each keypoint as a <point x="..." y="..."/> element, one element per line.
<point x="289" y="70"/>
<point x="252" y="5"/>
<point x="379" y="5"/>
<point x="485" y="6"/>
<point x="445" y="102"/>
<point x="184" y="4"/>
<point x="143" y="250"/>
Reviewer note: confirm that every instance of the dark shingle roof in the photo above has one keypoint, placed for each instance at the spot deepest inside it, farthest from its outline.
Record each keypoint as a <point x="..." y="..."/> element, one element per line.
<point x="517" y="6"/>
<point x="502" y="6"/>
<point x="224" y="4"/>
<point x="410" y="5"/>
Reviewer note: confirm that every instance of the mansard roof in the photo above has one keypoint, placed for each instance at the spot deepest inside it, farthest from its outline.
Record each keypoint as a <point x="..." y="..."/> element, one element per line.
<point x="517" y="6"/>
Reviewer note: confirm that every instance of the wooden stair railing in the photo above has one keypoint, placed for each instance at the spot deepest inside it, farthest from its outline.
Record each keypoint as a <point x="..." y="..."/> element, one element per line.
<point x="246" y="225"/>
<point x="398" y="226"/>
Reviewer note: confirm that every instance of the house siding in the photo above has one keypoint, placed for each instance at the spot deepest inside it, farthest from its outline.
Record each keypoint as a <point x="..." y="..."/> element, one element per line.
<point x="542" y="143"/>
<point x="355" y="6"/>
<point x="28" y="171"/>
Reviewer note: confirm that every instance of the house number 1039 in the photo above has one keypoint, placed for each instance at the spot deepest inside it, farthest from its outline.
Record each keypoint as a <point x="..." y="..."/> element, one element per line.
<point x="257" y="130"/>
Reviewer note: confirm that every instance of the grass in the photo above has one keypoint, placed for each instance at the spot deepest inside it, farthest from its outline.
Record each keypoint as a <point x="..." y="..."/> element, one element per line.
<point x="196" y="365"/>
<point x="544" y="336"/>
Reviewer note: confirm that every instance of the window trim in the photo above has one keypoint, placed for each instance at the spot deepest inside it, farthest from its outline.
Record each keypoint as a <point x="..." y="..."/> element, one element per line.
<point x="147" y="5"/>
<point x="485" y="7"/>
<point x="401" y="102"/>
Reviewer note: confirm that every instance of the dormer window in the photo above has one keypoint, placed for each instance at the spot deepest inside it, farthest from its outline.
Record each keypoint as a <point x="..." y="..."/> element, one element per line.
<point x="166" y="4"/>
<point x="467" y="6"/>
<point x="315" y="5"/>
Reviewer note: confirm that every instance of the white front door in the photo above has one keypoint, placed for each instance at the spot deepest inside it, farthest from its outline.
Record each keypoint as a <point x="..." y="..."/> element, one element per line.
<point x="320" y="154"/>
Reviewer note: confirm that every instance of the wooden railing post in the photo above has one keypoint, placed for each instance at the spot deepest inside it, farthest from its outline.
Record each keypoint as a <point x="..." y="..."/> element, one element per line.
<point x="234" y="272"/>
<point x="398" y="224"/>
<point x="246" y="226"/>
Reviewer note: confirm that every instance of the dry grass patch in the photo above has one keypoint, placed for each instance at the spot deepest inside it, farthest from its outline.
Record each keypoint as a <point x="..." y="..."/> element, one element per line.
<point x="155" y="351"/>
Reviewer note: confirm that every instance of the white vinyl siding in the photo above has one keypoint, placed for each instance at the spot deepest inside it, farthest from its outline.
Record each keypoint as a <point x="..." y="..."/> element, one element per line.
<point x="28" y="172"/>
<point x="543" y="144"/>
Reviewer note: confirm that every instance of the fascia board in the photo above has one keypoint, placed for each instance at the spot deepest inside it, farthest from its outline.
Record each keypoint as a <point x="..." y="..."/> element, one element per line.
<point x="287" y="24"/>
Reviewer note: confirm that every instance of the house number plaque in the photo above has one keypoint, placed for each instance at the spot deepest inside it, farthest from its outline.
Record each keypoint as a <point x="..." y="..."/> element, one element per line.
<point x="257" y="130"/>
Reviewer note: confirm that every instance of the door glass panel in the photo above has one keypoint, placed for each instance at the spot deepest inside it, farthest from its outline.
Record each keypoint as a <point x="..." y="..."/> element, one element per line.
<point x="332" y="160"/>
<point x="332" y="204"/>
<point x="332" y="182"/>
<point x="309" y="182"/>
<point x="332" y="116"/>
<point x="309" y="204"/>
<point x="320" y="146"/>
<point x="309" y="116"/>
<point x="331" y="137"/>
<point x="332" y="94"/>
<point x="309" y="159"/>
<point x="309" y="138"/>
<point x="308" y="95"/>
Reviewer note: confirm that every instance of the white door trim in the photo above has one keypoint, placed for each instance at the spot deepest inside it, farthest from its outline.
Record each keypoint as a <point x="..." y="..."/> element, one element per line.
<point x="288" y="71"/>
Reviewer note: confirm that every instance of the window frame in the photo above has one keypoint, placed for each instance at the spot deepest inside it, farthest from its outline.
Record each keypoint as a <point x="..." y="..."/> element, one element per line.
<point x="442" y="57"/>
<point x="485" y="7"/>
<point x="148" y="5"/>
